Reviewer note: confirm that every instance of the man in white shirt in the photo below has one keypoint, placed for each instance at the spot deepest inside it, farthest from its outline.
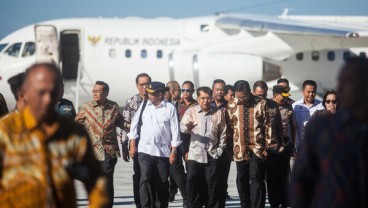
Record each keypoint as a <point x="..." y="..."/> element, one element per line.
<point x="304" y="109"/>
<point x="207" y="126"/>
<point x="157" y="122"/>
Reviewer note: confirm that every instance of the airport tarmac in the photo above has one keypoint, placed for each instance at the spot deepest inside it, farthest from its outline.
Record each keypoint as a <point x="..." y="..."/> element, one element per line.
<point x="124" y="188"/>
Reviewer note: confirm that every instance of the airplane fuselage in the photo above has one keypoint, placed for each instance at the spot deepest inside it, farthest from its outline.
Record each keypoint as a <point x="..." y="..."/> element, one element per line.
<point x="117" y="50"/>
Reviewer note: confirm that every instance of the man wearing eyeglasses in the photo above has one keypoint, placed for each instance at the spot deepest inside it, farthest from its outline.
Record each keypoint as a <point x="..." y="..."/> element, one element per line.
<point x="100" y="118"/>
<point x="131" y="106"/>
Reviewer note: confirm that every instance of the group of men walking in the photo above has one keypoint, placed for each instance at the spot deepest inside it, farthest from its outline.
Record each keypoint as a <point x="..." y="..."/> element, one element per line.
<point x="174" y="140"/>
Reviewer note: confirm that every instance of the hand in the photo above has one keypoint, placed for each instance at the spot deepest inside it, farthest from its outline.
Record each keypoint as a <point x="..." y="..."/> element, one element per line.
<point x="191" y="125"/>
<point x="125" y="151"/>
<point x="265" y="154"/>
<point x="186" y="156"/>
<point x="132" y="150"/>
<point x="172" y="158"/>
<point x="230" y="155"/>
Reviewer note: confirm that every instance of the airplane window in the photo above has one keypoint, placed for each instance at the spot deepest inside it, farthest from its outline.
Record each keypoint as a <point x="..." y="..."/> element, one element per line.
<point x="144" y="53"/>
<point x="128" y="53"/>
<point x="331" y="56"/>
<point x="2" y="46"/>
<point x="346" y="55"/>
<point x="363" y="54"/>
<point x="14" y="49"/>
<point x="159" y="53"/>
<point x="315" y="55"/>
<point x="299" y="56"/>
<point x="205" y="28"/>
<point x="29" y="49"/>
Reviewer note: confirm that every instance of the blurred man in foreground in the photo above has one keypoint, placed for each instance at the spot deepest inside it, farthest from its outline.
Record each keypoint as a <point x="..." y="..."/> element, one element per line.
<point x="41" y="152"/>
<point x="332" y="169"/>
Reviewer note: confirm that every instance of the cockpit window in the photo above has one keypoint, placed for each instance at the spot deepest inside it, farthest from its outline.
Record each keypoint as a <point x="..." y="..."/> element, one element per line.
<point x="29" y="49"/>
<point x="2" y="46"/>
<point x="14" y="49"/>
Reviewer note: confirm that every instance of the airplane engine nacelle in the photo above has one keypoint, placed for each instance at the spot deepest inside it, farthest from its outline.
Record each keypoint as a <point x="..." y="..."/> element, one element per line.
<point x="203" y="68"/>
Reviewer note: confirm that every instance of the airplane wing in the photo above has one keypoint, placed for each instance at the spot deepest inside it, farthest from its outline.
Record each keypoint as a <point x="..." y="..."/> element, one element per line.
<point x="278" y="38"/>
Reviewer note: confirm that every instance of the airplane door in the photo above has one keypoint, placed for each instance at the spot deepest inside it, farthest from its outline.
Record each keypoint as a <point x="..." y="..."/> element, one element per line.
<point x="69" y="43"/>
<point x="47" y="47"/>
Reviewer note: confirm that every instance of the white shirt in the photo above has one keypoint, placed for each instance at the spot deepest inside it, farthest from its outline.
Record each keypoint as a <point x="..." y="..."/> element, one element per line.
<point x="159" y="130"/>
<point x="302" y="114"/>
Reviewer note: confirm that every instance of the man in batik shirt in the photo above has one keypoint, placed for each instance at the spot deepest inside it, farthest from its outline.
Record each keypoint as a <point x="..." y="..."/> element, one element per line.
<point x="101" y="117"/>
<point x="250" y="127"/>
<point x="41" y="152"/>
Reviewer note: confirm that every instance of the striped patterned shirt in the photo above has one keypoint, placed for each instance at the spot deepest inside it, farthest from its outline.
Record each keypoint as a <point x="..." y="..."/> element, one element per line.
<point x="37" y="167"/>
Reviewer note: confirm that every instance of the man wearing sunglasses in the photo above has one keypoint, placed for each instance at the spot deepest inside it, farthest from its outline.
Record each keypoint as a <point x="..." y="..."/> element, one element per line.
<point x="177" y="169"/>
<point x="186" y="101"/>
<point x="278" y="166"/>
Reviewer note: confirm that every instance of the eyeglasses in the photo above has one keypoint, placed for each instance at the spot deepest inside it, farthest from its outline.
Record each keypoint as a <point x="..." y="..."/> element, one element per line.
<point x="331" y="101"/>
<point x="185" y="90"/>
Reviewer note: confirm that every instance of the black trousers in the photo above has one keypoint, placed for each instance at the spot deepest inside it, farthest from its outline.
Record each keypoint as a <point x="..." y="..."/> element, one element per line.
<point x="154" y="184"/>
<point x="108" y="167"/>
<point x="178" y="177"/>
<point x="195" y="172"/>
<point x="277" y="178"/>
<point x="224" y="167"/>
<point x="136" y="180"/>
<point x="250" y="184"/>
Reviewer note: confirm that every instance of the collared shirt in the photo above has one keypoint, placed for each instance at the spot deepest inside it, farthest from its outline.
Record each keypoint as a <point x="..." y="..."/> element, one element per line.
<point x="159" y="130"/>
<point x="222" y="105"/>
<point x="182" y="107"/>
<point x="208" y="136"/>
<point x="302" y="114"/>
<point x="37" y="167"/>
<point x="331" y="169"/>
<point x="101" y="123"/>
<point x="66" y="108"/>
<point x="131" y="107"/>
<point x="250" y="127"/>
<point x="287" y="117"/>
<point x="3" y="107"/>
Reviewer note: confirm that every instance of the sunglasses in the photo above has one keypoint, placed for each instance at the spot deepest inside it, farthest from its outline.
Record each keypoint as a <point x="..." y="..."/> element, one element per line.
<point x="185" y="90"/>
<point x="331" y="101"/>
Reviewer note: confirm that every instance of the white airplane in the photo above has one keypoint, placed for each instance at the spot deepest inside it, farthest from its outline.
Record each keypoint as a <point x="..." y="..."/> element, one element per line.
<point x="226" y="46"/>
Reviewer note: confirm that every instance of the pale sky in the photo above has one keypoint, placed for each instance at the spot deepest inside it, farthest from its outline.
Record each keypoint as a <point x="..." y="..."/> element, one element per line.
<point x="15" y="14"/>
